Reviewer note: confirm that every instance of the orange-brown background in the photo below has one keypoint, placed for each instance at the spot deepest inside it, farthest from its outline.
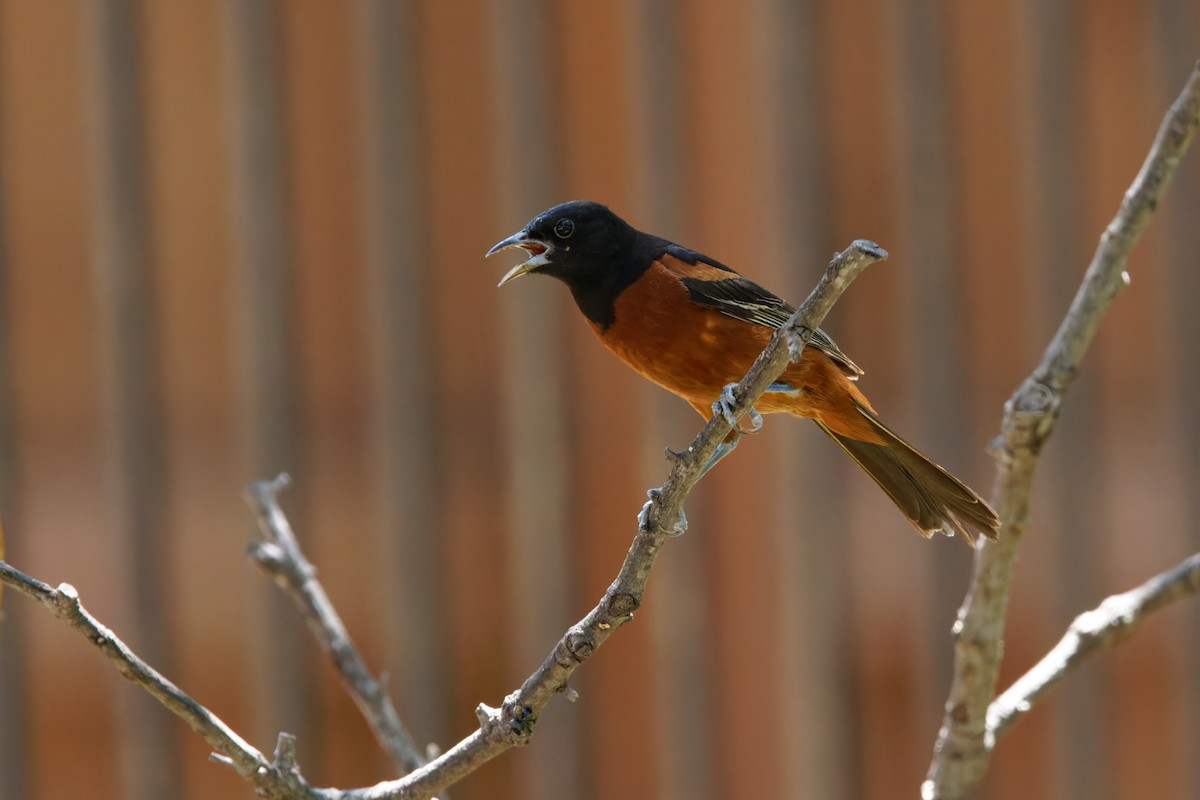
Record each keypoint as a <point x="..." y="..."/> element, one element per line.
<point x="242" y="237"/>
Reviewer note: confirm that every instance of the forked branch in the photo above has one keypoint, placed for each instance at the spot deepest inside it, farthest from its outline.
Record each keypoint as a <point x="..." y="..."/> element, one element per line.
<point x="1110" y="623"/>
<point x="278" y="555"/>
<point x="962" y="751"/>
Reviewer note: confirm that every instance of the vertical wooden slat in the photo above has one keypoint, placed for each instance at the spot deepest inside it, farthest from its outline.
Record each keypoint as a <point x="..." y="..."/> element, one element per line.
<point x="1040" y="603"/>
<point x="405" y="446"/>
<point x="537" y="485"/>
<point x="316" y="56"/>
<point x="15" y="746"/>
<point x="816" y="689"/>
<point x="268" y="384"/>
<point x="1174" y="45"/>
<point x="863" y="201"/>
<point x="929" y="359"/>
<point x="929" y="251"/>
<point x="70" y="707"/>
<point x="16" y="765"/>
<point x="464" y="322"/>
<point x="186" y="136"/>
<point x="1120" y="121"/>
<point x="263" y="243"/>
<point x="136" y="441"/>
<point x="682" y="637"/>
<point x="1107" y="157"/>
<point x="998" y="154"/>
<point x="15" y="749"/>
<point x="725" y="190"/>
<point x="1062" y="249"/>
<point x="606" y="422"/>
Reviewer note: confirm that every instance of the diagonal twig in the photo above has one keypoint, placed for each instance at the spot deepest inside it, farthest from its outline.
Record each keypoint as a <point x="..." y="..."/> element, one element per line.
<point x="64" y="603"/>
<point x="278" y="779"/>
<point x="1110" y="623"/>
<point x="962" y="752"/>
<point x="278" y="555"/>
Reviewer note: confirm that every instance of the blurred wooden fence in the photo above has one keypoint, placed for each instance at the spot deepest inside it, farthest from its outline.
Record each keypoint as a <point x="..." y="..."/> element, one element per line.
<point x="246" y="236"/>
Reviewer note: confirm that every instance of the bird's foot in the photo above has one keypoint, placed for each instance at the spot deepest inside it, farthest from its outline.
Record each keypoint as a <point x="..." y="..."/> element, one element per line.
<point x="678" y="528"/>
<point x="724" y="406"/>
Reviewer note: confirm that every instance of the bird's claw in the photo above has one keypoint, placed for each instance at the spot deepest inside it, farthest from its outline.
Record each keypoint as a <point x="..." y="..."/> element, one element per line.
<point x="724" y="406"/>
<point x="679" y="528"/>
<point x="644" y="516"/>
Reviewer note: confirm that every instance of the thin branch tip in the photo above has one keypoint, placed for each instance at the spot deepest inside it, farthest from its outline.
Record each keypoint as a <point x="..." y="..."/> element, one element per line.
<point x="285" y="752"/>
<point x="870" y="249"/>
<point x="265" y="493"/>
<point x="486" y="715"/>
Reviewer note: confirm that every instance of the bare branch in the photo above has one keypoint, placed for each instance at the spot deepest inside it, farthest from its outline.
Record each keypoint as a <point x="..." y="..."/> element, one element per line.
<point x="1112" y="622"/>
<point x="64" y="603"/>
<point x="278" y="555"/>
<point x="277" y="780"/>
<point x="961" y="754"/>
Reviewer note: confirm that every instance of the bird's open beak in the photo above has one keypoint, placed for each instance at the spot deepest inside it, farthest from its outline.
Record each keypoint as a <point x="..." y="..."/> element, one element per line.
<point x="537" y="254"/>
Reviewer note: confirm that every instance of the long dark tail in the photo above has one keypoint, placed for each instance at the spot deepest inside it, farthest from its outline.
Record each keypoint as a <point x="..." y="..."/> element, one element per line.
<point x="931" y="498"/>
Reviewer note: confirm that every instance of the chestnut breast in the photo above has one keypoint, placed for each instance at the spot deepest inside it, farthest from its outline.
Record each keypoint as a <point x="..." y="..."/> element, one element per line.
<point x="687" y="349"/>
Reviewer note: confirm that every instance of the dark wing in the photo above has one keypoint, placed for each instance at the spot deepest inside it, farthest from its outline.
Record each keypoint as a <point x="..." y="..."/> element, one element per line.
<point x="714" y="285"/>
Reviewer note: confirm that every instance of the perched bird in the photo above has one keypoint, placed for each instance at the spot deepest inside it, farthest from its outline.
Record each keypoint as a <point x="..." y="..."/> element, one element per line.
<point x="694" y="326"/>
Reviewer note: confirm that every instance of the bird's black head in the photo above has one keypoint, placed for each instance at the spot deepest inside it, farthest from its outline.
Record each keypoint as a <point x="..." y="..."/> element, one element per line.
<point x="586" y="246"/>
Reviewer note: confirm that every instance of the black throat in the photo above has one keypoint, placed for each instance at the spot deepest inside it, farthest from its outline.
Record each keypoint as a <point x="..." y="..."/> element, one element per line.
<point x="596" y="292"/>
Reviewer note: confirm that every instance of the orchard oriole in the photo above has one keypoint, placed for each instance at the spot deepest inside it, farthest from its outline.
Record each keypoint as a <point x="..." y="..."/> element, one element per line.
<point x="694" y="326"/>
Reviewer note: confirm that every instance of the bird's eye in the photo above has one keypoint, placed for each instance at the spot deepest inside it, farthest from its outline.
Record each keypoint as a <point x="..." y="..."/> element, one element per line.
<point x="564" y="228"/>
